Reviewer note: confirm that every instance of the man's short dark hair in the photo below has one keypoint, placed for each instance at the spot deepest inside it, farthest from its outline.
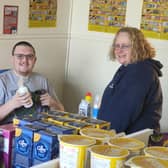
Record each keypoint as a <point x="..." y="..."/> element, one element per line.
<point x="23" y="43"/>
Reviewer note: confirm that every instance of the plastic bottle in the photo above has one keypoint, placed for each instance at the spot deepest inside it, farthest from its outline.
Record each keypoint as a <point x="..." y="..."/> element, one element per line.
<point x="85" y="105"/>
<point x="88" y="98"/>
<point x="23" y="90"/>
<point x="96" y="106"/>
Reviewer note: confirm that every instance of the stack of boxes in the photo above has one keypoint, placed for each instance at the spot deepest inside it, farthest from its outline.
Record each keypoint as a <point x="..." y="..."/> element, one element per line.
<point x="24" y="140"/>
<point x="36" y="140"/>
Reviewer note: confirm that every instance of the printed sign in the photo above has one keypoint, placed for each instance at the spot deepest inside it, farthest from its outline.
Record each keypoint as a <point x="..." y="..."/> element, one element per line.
<point x="10" y="19"/>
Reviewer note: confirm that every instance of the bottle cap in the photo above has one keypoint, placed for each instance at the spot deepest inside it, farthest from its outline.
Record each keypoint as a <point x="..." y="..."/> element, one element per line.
<point x="89" y="94"/>
<point x="88" y="97"/>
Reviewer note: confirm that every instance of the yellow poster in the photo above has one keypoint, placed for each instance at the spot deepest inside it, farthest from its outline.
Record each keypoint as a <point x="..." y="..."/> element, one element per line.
<point x="42" y="13"/>
<point x="107" y="15"/>
<point x="154" y="20"/>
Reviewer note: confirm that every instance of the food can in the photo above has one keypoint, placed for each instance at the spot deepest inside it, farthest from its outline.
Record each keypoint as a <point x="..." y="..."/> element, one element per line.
<point x="106" y="156"/>
<point x="157" y="152"/>
<point x="74" y="151"/>
<point x="101" y="136"/>
<point x="143" y="161"/>
<point x="135" y="146"/>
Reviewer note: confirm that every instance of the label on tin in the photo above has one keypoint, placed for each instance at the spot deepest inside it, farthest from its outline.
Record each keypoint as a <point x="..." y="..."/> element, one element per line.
<point x="105" y="163"/>
<point x="99" y="163"/>
<point x="68" y="156"/>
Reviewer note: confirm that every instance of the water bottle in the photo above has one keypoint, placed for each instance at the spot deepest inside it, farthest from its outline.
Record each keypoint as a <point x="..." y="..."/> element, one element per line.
<point x="96" y="106"/>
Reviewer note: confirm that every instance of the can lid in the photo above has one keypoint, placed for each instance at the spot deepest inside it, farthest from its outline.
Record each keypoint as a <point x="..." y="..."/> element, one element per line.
<point x="97" y="133"/>
<point x="131" y="144"/>
<point x="157" y="151"/>
<point x="76" y="140"/>
<point x="146" y="162"/>
<point x="109" y="151"/>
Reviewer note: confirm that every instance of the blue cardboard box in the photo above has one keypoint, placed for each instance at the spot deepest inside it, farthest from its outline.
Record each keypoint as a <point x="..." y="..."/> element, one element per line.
<point x="24" y="145"/>
<point x="45" y="147"/>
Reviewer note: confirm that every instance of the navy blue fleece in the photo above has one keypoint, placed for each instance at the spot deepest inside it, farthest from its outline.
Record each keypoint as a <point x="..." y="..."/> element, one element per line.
<point x="132" y="101"/>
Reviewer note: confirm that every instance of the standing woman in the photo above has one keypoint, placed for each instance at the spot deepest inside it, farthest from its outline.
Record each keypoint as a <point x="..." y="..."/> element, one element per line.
<point x="132" y="101"/>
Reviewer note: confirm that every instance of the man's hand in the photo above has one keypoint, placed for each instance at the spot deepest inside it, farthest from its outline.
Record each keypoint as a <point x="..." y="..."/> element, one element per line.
<point x="47" y="100"/>
<point x="20" y="100"/>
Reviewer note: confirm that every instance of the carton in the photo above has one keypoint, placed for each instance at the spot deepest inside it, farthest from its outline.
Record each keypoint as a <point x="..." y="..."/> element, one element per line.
<point x="42" y="123"/>
<point x="78" y="125"/>
<point x="60" y="120"/>
<point x="24" y="145"/>
<point x="45" y="146"/>
<point x="98" y="123"/>
<point x="21" y="121"/>
<point x="7" y="133"/>
<point x="58" y="129"/>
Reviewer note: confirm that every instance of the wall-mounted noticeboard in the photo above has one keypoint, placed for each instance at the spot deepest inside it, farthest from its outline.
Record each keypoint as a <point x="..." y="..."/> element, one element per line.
<point x="42" y="13"/>
<point x="107" y="15"/>
<point x="154" y="19"/>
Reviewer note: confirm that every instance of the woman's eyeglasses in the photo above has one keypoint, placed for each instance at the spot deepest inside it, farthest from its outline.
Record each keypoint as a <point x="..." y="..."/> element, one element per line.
<point x="121" y="47"/>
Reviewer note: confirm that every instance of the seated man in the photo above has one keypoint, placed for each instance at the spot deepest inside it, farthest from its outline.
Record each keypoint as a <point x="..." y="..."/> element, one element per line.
<point x="11" y="103"/>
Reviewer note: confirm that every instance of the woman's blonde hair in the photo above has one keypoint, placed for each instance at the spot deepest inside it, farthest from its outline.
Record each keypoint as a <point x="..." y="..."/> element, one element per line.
<point x="141" y="48"/>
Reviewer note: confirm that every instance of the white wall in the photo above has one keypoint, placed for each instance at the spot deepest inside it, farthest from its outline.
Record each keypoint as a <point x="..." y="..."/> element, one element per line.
<point x="88" y="66"/>
<point x="71" y="51"/>
<point x="50" y="43"/>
